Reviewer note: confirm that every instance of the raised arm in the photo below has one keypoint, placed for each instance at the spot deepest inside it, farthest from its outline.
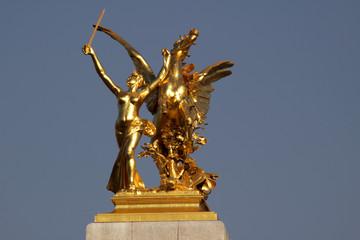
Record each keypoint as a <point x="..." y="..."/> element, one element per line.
<point x="161" y="77"/>
<point x="88" y="50"/>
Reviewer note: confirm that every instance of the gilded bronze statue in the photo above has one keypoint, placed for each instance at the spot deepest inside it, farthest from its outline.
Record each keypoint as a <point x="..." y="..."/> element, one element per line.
<point x="179" y="100"/>
<point x="179" y="105"/>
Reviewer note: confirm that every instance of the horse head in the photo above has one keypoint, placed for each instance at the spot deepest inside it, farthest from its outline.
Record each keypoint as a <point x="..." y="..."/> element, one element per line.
<point x="183" y="45"/>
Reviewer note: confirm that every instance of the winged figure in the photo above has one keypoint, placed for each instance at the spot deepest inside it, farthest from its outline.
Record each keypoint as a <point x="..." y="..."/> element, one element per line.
<point x="179" y="105"/>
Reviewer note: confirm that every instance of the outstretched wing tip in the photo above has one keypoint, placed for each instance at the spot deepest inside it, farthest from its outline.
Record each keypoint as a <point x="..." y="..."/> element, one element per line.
<point x="142" y="67"/>
<point x="201" y="94"/>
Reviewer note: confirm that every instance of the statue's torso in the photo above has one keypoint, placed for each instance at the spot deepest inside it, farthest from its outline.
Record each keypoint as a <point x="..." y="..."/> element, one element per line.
<point x="128" y="105"/>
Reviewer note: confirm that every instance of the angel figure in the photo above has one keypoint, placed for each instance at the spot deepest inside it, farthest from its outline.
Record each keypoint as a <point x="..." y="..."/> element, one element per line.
<point x="129" y="127"/>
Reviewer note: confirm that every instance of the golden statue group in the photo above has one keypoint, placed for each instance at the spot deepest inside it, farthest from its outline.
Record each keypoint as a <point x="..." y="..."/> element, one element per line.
<point x="179" y="100"/>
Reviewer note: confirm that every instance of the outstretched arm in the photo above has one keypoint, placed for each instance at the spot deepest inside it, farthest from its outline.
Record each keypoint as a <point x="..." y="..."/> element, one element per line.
<point x="162" y="75"/>
<point x="88" y="50"/>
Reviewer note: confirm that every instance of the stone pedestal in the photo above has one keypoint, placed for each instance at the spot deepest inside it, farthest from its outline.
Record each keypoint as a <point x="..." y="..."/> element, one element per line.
<point x="175" y="230"/>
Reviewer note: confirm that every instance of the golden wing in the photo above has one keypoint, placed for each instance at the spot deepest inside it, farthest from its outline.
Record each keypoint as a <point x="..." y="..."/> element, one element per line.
<point x="200" y="88"/>
<point x="142" y="67"/>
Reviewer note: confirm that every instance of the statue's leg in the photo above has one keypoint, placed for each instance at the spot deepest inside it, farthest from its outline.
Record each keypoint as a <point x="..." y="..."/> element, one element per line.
<point x="133" y="179"/>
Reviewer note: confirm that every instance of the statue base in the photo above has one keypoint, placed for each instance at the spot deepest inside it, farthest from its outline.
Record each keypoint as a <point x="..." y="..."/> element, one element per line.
<point x="177" y="230"/>
<point x="158" y="206"/>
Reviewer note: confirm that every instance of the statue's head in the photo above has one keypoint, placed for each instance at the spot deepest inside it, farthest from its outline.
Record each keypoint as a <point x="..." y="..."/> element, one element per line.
<point x="185" y="43"/>
<point x="135" y="80"/>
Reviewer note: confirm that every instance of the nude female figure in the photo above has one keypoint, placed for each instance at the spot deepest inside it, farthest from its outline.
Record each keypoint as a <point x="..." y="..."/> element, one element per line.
<point x="129" y="127"/>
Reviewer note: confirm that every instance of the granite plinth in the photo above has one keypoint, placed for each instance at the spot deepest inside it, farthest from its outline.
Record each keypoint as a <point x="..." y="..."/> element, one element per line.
<point x="176" y="230"/>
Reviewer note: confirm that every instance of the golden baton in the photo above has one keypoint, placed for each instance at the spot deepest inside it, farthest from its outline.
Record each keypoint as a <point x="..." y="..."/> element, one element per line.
<point x="97" y="25"/>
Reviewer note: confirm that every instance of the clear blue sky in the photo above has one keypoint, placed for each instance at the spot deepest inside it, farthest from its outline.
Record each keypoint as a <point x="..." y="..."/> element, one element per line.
<point x="284" y="128"/>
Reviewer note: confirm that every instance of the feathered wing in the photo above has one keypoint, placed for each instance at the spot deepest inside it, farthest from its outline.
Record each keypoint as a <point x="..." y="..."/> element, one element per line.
<point x="200" y="89"/>
<point x="142" y="67"/>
